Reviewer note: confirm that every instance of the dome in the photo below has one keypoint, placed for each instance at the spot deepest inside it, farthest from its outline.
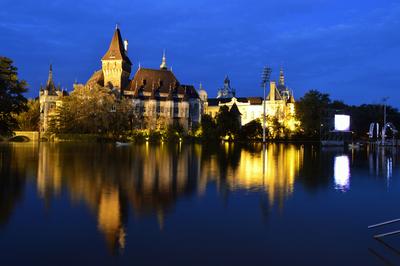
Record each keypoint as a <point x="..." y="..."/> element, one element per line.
<point x="203" y="94"/>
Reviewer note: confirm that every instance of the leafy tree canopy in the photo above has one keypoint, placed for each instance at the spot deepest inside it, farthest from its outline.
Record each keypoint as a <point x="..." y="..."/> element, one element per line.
<point x="312" y="111"/>
<point x="12" y="100"/>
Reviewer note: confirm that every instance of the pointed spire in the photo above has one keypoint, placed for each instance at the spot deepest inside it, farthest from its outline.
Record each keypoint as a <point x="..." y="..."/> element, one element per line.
<point x="291" y="98"/>
<point x="227" y="81"/>
<point x="281" y="77"/>
<point x="139" y="66"/>
<point x="164" y="62"/>
<point x="50" y="87"/>
<point x="50" y="78"/>
<point x="116" y="50"/>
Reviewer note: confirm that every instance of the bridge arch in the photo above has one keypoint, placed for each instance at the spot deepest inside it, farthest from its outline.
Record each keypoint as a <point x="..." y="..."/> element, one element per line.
<point x="24" y="136"/>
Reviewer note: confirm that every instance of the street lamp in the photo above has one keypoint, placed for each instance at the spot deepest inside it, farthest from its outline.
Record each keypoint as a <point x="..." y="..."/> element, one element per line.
<point x="384" y="120"/>
<point x="264" y="81"/>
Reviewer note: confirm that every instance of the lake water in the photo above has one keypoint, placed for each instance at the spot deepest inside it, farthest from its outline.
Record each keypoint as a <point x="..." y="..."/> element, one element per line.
<point x="92" y="204"/>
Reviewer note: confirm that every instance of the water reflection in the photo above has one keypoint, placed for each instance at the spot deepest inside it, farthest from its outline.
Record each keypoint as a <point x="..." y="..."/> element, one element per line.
<point x="381" y="161"/>
<point x="148" y="180"/>
<point x="342" y="172"/>
<point x="17" y="163"/>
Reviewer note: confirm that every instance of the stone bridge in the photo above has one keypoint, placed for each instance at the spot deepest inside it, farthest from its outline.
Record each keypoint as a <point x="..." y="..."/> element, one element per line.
<point x="27" y="135"/>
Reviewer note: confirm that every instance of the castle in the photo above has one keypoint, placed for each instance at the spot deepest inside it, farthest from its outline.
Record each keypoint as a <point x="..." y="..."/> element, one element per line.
<point x="155" y="94"/>
<point x="160" y="99"/>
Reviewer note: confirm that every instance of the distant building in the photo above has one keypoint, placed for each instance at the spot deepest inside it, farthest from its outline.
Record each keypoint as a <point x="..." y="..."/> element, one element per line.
<point x="157" y="96"/>
<point x="280" y="103"/>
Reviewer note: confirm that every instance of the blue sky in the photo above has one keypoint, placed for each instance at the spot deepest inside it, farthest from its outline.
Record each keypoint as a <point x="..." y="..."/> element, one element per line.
<point x="349" y="49"/>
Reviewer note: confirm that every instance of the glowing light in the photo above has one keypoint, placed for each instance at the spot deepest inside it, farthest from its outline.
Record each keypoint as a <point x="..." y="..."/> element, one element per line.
<point x="342" y="122"/>
<point x="342" y="172"/>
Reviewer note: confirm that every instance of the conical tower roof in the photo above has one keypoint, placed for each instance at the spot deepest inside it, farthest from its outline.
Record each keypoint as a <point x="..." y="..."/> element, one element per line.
<point x="116" y="50"/>
<point x="50" y="87"/>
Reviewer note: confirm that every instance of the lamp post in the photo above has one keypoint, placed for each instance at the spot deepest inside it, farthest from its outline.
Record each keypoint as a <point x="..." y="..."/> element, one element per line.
<point x="384" y="120"/>
<point x="264" y="81"/>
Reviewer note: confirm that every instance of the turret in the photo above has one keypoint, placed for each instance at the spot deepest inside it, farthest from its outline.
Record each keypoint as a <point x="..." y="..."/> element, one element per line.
<point x="202" y="94"/>
<point x="50" y="88"/>
<point x="163" y="65"/>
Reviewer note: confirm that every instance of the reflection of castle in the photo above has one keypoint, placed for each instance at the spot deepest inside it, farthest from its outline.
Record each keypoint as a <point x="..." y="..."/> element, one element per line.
<point x="150" y="179"/>
<point x="150" y="184"/>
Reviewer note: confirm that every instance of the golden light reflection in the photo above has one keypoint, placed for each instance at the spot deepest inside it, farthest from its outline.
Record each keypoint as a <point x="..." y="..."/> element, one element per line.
<point x="281" y="165"/>
<point x="109" y="218"/>
<point x="149" y="179"/>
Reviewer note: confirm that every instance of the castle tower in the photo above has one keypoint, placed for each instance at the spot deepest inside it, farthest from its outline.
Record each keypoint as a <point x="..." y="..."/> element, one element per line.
<point x="116" y="65"/>
<point x="48" y="98"/>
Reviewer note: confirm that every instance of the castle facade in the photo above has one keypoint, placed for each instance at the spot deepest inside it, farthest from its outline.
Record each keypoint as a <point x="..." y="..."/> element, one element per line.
<point x="156" y="95"/>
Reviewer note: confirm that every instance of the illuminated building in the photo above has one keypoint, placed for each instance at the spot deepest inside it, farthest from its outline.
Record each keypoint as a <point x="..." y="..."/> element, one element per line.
<point x="157" y="96"/>
<point x="280" y="104"/>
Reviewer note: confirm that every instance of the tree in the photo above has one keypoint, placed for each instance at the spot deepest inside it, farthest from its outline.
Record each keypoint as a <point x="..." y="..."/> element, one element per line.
<point x="276" y="128"/>
<point x="12" y="100"/>
<point x="92" y="110"/>
<point x="29" y="120"/>
<point x="174" y="132"/>
<point x="252" y="130"/>
<point x="208" y="128"/>
<point x="228" y="122"/>
<point x="312" y="111"/>
<point x="362" y="116"/>
<point x="120" y="120"/>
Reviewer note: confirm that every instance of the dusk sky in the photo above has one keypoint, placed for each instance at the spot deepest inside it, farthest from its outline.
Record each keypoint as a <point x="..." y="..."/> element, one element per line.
<point x="349" y="49"/>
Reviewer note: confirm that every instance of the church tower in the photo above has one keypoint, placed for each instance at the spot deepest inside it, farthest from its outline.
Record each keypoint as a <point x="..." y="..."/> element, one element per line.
<point x="116" y="65"/>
